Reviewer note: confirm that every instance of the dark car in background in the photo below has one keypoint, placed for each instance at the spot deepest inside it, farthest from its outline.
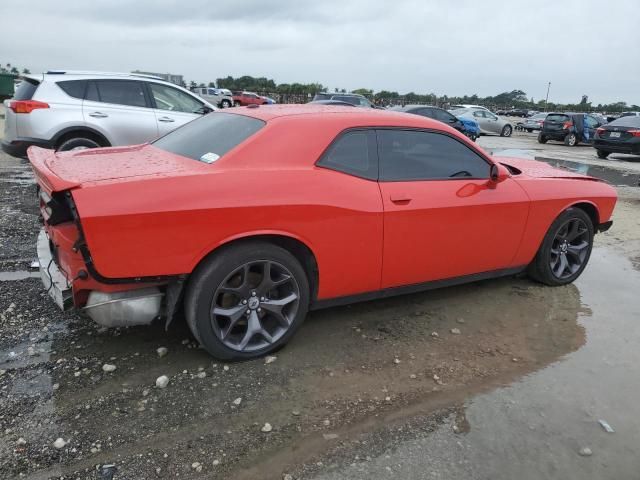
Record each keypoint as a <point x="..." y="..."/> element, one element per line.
<point x="570" y="128"/>
<point x="620" y="136"/>
<point x="466" y="126"/>
<point x="517" y="112"/>
<point x="352" y="98"/>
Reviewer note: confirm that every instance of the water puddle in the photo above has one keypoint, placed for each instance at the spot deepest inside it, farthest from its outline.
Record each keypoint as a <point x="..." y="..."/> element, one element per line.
<point x="611" y="175"/>
<point x="17" y="275"/>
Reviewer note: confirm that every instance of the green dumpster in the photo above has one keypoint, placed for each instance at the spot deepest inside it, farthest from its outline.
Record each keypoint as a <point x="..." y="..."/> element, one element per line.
<point x="6" y="85"/>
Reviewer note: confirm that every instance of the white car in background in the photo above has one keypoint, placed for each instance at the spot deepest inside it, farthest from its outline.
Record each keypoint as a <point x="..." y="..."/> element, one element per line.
<point x="478" y="107"/>
<point x="221" y="97"/>
<point x="66" y="110"/>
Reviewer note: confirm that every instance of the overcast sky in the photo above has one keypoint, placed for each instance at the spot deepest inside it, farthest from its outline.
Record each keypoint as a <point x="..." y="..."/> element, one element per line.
<point x="447" y="47"/>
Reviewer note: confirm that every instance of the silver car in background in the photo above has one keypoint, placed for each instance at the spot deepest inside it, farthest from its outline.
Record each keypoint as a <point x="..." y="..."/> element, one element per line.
<point x="489" y="123"/>
<point x="220" y="97"/>
<point x="76" y="110"/>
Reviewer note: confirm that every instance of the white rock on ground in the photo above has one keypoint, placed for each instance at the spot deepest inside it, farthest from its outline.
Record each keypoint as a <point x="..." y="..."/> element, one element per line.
<point x="455" y="331"/>
<point x="196" y="466"/>
<point x="237" y="401"/>
<point x="162" y="351"/>
<point x="585" y="452"/>
<point x="21" y="441"/>
<point x="59" y="443"/>
<point x="266" y="428"/>
<point x="162" y="381"/>
<point x="108" y="368"/>
<point x="270" y="359"/>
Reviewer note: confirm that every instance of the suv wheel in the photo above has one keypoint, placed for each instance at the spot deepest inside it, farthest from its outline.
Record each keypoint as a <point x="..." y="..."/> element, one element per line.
<point x="542" y="138"/>
<point x="77" y="143"/>
<point x="602" y="154"/>
<point x="225" y="103"/>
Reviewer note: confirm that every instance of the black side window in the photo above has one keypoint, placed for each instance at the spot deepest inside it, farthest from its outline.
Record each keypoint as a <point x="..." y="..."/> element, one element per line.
<point x="92" y="92"/>
<point x="407" y="155"/>
<point x="74" y="88"/>
<point x="121" y="92"/>
<point x="353" y="153"/>
<point x="444" y="116"/>
<point x="426" y="112"/>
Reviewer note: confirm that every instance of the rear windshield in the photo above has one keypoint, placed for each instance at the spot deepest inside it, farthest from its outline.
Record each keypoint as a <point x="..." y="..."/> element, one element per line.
<point x="210" y="137"/>
<point x="626" y="122"/>
<point x="26" y="89"/>
<point x="557" y="117"/>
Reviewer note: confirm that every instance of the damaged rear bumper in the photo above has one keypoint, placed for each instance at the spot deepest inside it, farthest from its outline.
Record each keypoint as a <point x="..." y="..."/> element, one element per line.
<point x="53" y="279"/>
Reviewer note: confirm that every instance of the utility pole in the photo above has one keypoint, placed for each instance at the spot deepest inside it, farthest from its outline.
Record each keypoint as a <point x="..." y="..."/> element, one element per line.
<point x="546" y="101"/>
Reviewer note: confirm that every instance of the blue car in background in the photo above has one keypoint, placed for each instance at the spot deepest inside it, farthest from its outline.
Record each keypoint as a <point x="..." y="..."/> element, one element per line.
<point x="467" y="126"/>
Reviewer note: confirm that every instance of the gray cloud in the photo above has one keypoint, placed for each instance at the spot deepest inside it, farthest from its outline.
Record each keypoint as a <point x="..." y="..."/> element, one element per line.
<point x="453" y="48"/>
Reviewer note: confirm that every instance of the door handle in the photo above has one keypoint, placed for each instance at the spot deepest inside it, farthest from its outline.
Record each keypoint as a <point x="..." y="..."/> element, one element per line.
<point x="401" y="198"/>
<point x="98" y="115"/>
<point x="166" y="119"/>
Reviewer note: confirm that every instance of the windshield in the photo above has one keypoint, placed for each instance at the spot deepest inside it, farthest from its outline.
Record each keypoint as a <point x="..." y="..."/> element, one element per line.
<point x="210" y="137"/>
<point x="557" y="117"/>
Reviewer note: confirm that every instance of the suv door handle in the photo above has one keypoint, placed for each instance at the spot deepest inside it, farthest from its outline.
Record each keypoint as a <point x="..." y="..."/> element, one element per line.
<point x="401" y="198"/>
<point x="166" y="119"/>
<point x="98" y="115"/>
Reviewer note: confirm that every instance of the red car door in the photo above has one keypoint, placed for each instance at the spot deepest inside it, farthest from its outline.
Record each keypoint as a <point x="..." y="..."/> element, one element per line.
<point x="443" y="217"/>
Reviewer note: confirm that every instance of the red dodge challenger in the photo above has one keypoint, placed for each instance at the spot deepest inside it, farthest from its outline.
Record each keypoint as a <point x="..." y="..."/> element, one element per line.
<point x="247" y="219"/>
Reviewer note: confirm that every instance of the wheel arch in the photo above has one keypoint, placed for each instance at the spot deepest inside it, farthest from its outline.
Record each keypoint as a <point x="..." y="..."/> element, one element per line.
<point x="293" y="244"/>
<point x="590" y="209"/>
<point x="71" y="132"/>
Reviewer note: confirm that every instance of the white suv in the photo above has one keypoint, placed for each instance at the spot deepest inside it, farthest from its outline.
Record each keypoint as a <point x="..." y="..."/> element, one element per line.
<point x="220" y="97"/>
<point x="76" y="110"/>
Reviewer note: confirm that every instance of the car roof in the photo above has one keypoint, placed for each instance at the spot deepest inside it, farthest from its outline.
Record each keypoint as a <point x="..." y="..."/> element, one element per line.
<point x="363" y="116"/>
<point x="413" y="105"/>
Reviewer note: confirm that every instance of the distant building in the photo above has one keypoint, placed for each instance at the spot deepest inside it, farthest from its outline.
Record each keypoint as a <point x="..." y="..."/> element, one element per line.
<point x="168" y="77"/>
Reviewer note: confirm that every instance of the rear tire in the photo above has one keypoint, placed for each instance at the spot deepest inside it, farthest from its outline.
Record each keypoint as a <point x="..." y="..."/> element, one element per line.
<point x="233" y="282"/>
<point x="571" y="139"/>
<point x="77" y="143"/>
<point x="225" y="104"/>
<point x="542" y="138"/>
<point x="529" y="130"/>
<point x="602" y="154"/>
<point x="506" y="131"/>
<point x="236" y="103"/>
<point x="547" y="266"/>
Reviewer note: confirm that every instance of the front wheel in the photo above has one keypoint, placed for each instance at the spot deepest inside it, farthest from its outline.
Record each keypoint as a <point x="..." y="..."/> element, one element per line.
<point x="542" y="138"/>
<point x="247" y="300"/>
<point x="506" y="131"/>
<point x="602" y="154"/>
<point x="565" y="250"/>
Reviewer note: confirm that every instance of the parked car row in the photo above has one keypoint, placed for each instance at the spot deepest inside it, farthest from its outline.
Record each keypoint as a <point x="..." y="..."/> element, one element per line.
<point x="467" y="126"/>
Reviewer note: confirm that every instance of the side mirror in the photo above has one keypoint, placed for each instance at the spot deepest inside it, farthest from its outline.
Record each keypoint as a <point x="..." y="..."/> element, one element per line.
<point x="498" y="173"/>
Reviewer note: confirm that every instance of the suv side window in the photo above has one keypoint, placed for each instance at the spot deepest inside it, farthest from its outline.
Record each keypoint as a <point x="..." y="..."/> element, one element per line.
<point x="354" y="153"/>
<point x="120" y="92"/>
<point x="168" y="98"/>
<point x="410" y="155"/>
<point x="74" y="88"/>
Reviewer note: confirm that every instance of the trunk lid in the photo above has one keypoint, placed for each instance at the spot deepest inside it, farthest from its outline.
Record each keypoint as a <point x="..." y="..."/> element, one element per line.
<point x="58" y="171"/>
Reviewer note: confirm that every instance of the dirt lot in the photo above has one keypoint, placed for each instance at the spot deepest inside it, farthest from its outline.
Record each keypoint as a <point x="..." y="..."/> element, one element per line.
<point x="345" y="396"/>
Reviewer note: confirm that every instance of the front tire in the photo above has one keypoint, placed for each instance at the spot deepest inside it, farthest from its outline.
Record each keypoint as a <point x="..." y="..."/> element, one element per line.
<point x="542" y="138"/>
<point x="565" y="250"/>
<point x="77" y="143"/>
<point x="506" y="131"/>
<point x="602" y="154"/>
<point x="247" y="300"/>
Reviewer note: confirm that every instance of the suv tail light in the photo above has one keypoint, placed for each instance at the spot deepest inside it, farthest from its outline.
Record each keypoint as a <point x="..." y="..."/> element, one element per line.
<point x="567" y="125"/>
<point x="26" y="106"/>
<point x="635" y="133"/>
<point x="600" y="130"/>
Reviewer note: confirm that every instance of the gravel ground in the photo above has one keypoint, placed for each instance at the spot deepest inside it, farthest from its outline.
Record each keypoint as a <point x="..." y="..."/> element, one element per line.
<point x="353" y="382"/>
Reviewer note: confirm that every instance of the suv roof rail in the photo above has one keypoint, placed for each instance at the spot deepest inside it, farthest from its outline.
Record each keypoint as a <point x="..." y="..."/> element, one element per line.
<point x="90" y="72"/>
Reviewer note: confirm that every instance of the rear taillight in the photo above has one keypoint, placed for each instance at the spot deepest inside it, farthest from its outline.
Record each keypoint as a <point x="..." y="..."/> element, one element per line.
<point x="26" y="106"/>
<point x="600" y="131"/>
<point x="567" y="125"/>
<point x="635" y="133"/>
